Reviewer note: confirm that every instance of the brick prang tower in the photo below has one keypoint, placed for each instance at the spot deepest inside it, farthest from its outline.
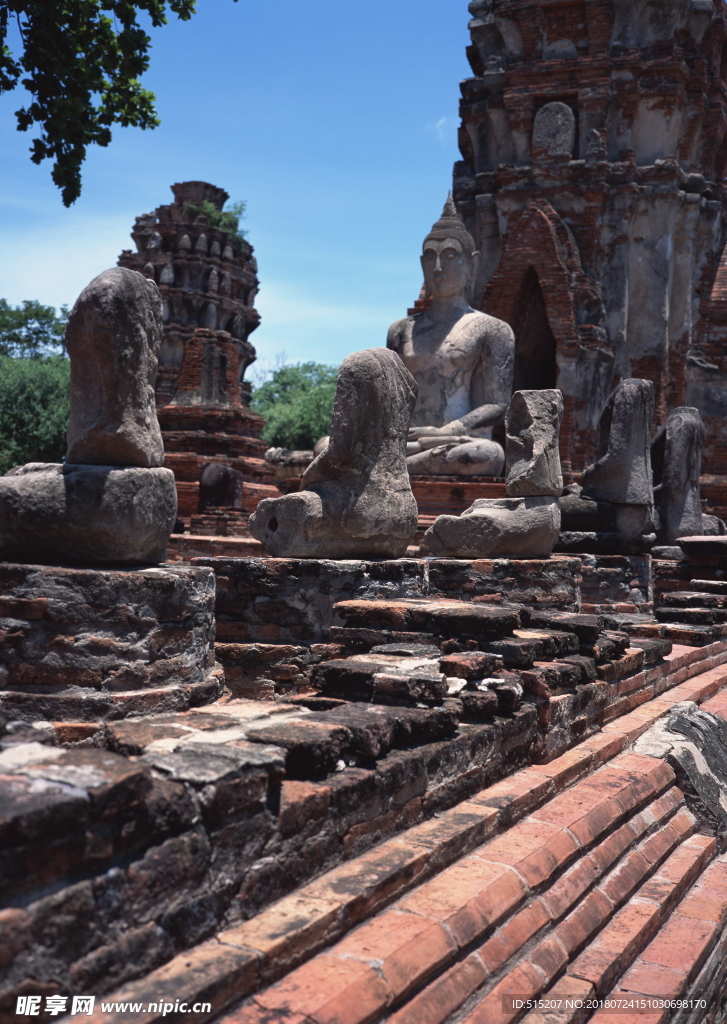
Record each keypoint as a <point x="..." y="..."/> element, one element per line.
<point x="594" y="149"/>
<point x="208" y="281"/>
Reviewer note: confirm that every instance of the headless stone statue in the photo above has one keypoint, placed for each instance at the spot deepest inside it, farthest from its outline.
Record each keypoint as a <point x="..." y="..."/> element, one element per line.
<point x="355" y="499"/>
<point x="461" y="359"/>
<point x="622" y="472"/>
<point x="111" y="501"/>
<point x="113" y="338"/>
<point x="220" y="486"/>
<point x="612" y="512"/>
<point x="676" y="459"/>
<point x="526" y="523"/>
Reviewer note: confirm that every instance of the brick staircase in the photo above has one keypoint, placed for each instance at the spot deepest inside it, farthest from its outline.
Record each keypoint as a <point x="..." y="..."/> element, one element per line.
<point x="584" y="878"/>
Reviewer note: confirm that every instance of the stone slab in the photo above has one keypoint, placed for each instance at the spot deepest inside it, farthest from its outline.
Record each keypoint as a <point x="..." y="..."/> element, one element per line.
<point x="704" y="546"/>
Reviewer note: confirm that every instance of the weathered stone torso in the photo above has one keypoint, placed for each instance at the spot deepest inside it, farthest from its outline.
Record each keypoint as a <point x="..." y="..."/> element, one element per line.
<point x="459" y="365"/>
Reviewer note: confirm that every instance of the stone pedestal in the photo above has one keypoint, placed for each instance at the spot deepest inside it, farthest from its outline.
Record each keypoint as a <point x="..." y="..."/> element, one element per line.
<point x="86" y="515"/>
<point x="90" y="645"/>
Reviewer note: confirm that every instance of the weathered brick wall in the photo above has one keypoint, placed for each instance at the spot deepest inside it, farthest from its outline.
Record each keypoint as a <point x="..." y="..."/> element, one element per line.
<point x="289" y="600"/>
<point x="118" y="857"/>
<point x="98" y="644"/>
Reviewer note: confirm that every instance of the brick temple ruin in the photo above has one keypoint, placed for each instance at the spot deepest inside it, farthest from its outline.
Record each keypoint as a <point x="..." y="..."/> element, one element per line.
<point x="591" y="131"/>
<point x="208" y="281"/>
<point x="415" y="790"/>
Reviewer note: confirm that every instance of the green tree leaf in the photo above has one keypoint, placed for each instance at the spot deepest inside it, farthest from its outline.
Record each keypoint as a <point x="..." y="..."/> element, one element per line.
<point x="225" y="220"/>
<point x="81" y="61"/>
<point x="31" y="329"/>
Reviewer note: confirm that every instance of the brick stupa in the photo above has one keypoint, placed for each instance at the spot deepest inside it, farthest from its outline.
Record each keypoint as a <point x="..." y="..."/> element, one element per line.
<point x="208" y="281"/>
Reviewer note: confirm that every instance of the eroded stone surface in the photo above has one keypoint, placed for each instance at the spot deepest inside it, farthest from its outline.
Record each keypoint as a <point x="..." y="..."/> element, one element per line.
<point x="96" y="644"/>
<point x="356" y="500"/>
<point x="676" y="459"/>
<point x="113" y="337"/>
<point x="93" y="515"/>
<point x="497" y="527"/>
<point x="532" y="428"/>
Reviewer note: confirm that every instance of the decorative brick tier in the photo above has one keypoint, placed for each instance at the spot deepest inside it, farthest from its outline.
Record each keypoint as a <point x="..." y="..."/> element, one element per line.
<point x="451" y="495"/>
<point x="195" y="435"/>
<point x="100" y="644"/>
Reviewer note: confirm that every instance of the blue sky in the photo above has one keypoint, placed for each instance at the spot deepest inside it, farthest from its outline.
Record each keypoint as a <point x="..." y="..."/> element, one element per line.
<point x="336" y="121"/>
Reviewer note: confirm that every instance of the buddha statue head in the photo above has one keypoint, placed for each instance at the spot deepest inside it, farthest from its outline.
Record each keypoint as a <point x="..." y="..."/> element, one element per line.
<point x="449" y="259"/>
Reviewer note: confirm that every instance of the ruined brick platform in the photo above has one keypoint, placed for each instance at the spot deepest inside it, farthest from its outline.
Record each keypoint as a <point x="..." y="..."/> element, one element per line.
<point x="183" y="547"/>
<point x="617" y="583"/>
<point x="91" y="645"/>
<point x="424" y="829"/>
<point x="292" y="599"/>
<point x="276" y="620"/>
<point x="380" y="861"/>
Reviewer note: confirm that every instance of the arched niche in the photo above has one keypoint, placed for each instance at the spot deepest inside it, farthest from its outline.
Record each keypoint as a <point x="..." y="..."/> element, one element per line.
<point x="171" y="351"/>
<point x="535" y="367"/>
<point x="556" y="312"/>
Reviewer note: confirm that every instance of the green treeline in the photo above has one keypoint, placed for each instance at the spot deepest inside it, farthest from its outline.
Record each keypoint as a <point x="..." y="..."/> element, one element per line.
<point x="297" y="403"/>
<point x="34" y="384"/>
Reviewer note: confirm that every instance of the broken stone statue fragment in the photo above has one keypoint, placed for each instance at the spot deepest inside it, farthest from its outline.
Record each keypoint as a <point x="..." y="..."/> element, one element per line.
<point x="612" y="512"/>
<point x="113" y="337"/>
<point x="622" y="470"/>
<point x="532" y="428"/>
<point x="355" y="499"/>
<point x="526" y="524"/>
<point x="676" y="460"/>
<point x="694" y="743"/>
<point x="111" y="502"/>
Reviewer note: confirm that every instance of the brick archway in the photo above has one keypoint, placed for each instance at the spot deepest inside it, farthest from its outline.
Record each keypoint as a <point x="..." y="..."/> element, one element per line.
<point x="541" y="289"/>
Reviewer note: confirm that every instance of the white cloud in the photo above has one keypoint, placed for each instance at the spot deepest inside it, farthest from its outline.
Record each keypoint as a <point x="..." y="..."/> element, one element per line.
<point x="444" y="130"/>
<point x="311" y="329"/>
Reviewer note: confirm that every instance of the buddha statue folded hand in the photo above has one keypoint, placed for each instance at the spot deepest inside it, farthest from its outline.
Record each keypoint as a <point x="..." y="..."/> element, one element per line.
<point x="462" y="361"/>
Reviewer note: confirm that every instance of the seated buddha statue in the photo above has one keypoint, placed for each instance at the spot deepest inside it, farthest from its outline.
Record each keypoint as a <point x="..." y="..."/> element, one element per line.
<point x="461" y="359"/>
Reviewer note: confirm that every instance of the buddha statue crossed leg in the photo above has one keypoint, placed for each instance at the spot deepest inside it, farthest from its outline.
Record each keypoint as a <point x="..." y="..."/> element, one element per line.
<point x="462" y="361"/>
